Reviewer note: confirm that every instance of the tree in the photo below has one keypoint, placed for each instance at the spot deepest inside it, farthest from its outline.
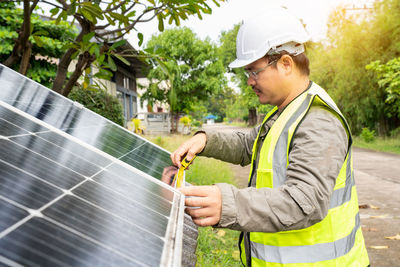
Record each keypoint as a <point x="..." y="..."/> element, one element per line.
<point x="102" y="24"/>
<point x="389" y="79"/>
<point x="216" y="104"/>
<point x="188" y="72"/>
<point x="23" y="46"/>
<point x="227" y="52"/>
<point x="236" y="108"/>
<point x="47" y="42"/>
<point x="355" y="40"/>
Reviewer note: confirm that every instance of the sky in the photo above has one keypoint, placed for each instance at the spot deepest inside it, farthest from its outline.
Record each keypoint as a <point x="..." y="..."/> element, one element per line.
<point x="314" y="14"/>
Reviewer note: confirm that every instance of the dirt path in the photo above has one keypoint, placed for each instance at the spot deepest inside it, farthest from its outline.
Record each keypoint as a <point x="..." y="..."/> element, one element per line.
<point x="377" y="177"/>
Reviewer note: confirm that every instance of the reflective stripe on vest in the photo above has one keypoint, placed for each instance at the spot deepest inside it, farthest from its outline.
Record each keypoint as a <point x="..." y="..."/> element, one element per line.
<point x="337" y="239"/>
<point x="312" y="253"/>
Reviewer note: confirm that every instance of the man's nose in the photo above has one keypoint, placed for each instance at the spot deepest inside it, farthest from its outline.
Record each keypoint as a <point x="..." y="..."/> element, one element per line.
<point x="251" y="81"/>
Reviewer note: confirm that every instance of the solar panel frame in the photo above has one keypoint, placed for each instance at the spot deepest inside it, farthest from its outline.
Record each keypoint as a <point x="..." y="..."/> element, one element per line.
<point x="172" y="251"/>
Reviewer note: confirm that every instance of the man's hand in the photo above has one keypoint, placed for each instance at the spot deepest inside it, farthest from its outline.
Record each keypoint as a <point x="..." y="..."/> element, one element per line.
<point x="205" y="206"/>
<point x="190" y="148"/>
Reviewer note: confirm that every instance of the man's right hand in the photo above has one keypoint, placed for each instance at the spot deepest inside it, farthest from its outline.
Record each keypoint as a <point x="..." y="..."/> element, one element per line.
<point x="190" y="148"/>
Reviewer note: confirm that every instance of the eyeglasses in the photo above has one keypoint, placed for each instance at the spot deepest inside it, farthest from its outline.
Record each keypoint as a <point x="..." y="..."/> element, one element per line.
<point x="254" y="74"/>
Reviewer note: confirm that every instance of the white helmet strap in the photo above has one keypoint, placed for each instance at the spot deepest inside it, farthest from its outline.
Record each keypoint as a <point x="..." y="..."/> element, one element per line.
<point x="292" y="48"/>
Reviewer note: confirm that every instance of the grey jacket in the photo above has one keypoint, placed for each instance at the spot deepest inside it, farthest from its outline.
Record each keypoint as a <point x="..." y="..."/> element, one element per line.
<point x="316" y="155"/>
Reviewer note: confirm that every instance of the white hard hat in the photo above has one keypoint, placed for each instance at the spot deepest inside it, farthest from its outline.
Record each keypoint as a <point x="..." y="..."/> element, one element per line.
<point x="273" y="31"/>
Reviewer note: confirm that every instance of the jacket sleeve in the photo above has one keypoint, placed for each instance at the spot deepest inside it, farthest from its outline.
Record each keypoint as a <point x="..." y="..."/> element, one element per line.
<point x="317" y="154"/>
<point x="233" y="147"/>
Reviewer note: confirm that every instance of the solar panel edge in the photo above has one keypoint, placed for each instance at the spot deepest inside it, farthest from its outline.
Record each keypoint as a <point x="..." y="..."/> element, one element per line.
<point x="174" y="234"/>
<point x="172" y="252"/>
<point x="79" y="105"/>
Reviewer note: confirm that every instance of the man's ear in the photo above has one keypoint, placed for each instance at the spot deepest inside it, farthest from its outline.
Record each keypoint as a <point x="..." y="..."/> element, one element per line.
<point x="287" y="63"/>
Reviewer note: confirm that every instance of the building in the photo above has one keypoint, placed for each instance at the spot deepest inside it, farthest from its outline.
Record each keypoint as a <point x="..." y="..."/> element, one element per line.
<point x="123" y="82"/>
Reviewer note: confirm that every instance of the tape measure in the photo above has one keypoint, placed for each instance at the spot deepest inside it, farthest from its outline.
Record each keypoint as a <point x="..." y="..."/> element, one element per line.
<point x="179" y="178"/>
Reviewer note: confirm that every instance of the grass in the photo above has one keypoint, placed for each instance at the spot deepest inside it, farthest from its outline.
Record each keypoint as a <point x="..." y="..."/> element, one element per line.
<point x="383" y="144"/>
<point x="215" y="247"/>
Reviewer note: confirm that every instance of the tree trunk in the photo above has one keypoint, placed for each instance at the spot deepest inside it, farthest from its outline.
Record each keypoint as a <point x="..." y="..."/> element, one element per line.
<point x="252" y="117"/>
<point x="24" y="66"/>
<point x="84" y="61"/>
<point x="383" y="127"/>
<point x="22" y="45"/>
<point x="62" y="68"/>
<point x="174" y="121"/>
<point x="172" y="118"/>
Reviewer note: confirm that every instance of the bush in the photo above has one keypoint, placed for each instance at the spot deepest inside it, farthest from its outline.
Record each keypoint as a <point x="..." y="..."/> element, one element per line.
<point x="367" y="135"/>
<point x="159" y="141"/>
<point x="395" y="132"/>
<point x="197" y="123"/>
<point x="100" y="102"/>
<point x="185" y="120"/>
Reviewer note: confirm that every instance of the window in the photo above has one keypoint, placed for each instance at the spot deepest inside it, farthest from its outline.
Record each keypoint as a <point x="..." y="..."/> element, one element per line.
<point x="126" y="83"/>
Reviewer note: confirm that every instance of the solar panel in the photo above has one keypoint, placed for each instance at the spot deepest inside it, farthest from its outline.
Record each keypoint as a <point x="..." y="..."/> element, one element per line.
<point x="77" y="189"/>
<point x="72" y="118"/>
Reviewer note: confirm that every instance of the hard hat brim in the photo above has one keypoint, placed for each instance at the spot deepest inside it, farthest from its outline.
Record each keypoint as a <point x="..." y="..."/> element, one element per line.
<point x="237" y="63"/>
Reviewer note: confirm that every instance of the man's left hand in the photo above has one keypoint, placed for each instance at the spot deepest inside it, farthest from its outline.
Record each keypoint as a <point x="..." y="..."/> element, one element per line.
<point x="205" y="205"/>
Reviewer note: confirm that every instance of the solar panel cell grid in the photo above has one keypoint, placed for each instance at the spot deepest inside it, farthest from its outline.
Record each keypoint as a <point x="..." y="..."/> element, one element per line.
<point x="38" y="165"/>
<point x="42" y="243"/>
<point x="24" y="188"/>
<point x="10" y="214"/>
<point x="64" y="202"/>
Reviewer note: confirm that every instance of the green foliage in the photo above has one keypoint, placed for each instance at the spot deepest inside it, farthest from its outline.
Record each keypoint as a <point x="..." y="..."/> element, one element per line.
<point x="185" y="120"/>
<point x="367" y="135"/>
<point x="216" y="104"/>
<point x="197" y="123"/>
<point x="121" y="18"/>
<point x="199" y="110"/>
<point x="227" y="52"/>
<point x="389" y="79"/>
<point x="236" y="108"/>
<point x="264" y="109"/>
<point x="102" y="26"/>
<point x="159" y="141"/>
<point x="48" y="40"/>
<point x="395" y="133"/>
<point x="42" y="71"/>
<point x="187" y="72"/>
<point x="100" y="102"/>
<point x="338" y="65"/>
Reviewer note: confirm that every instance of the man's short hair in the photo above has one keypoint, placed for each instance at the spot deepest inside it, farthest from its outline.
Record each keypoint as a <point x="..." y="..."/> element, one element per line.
<point x="300" y="60"/>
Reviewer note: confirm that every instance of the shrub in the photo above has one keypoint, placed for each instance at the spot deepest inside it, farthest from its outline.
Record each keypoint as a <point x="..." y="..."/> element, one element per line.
<point x="100" y="102"/>
<point x="185" y="120"/>
<point x="197" y="123"/>
<point x="159" y="141"/>
<point x="395" y="132"/>
<point x="367" y="135"/>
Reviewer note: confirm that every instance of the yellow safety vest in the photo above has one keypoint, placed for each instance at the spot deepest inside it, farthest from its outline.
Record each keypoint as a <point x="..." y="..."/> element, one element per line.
<point x="337" y="240"/>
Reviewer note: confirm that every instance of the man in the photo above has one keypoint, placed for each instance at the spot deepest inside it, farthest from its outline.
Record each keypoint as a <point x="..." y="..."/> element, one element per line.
<point x="300" y="208"/>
